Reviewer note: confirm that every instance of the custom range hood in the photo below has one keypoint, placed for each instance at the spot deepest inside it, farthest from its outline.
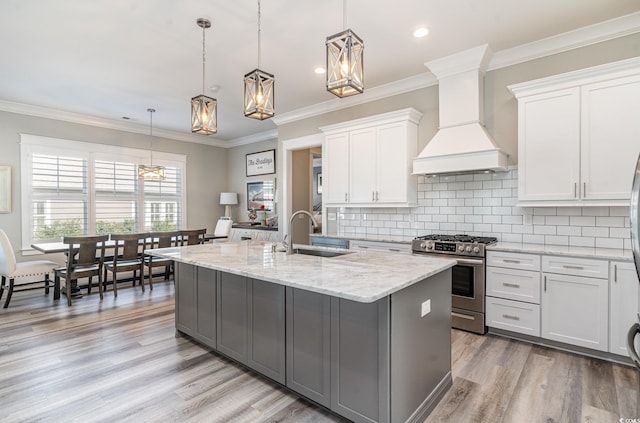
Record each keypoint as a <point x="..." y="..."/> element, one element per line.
<point x="461" y="145"/>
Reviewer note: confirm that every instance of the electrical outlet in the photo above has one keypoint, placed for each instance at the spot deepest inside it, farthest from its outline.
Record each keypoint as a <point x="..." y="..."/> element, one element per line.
<point x="425" y="308"/>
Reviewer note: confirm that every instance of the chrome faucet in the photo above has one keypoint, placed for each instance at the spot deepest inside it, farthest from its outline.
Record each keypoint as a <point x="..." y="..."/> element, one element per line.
<point x="290" y="241"/>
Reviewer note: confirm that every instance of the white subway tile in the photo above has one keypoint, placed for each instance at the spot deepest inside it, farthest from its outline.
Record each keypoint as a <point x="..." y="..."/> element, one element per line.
<point x="466" y="193"/>
<point x="545" y="211"/>
<point x="533" y="239"/>
<point x="612" y="222"/>
<point x="464" y="227"/>
<point x="439" y="217"/>
<point x="619" y="211"/>
<point x="440" y="202"/>
<point x="595" y="211"/>
<point x="503" y="192"/>
<point x="619" y="233"/>
<point x="595" y="231"/>
<point x="570" y="230"/>
<point x="609" y="243"/>
<point x="501" y="211"/>
<point x="464" y="210"/>
<point x="544" y="230"/>
<point x="403" y="225"/>
<point x="440" y="187"/>
<point x="556" y="240"/>
<point x="390" y="224"/>
<point x="582" y="241"/>
<point x="470" y="202"/>
<point x="512" y="220"/>
<point x="448" y="226"/>
<point x="511" y="237"/>
<point x="455" y="202"/>
<point x="627" y="244"/>
<point x="457" y="218"/>
<point x="493" y="202"/>
<point x="522" y="229"/>
<point x="556" y="220"/>
<point x="569" y="211"/>
<point x="432" y="194"/>
<point x="482" y="210"/>
<point x="425" y="218"/>
<point x="447" y="210"/>
<point x="510" y="183"/>
<point x="491" y="219"/>
<point x="473" y="185"/>
<point x="448" y="194"/>
<point x="482" y="177"/>
<point x="491" y="184"/>
<point x="511" y="202"/>
<point x="501" y="228"/>
<point x="455" y="186"/>
<point x="582" y="220"/>
<point x="464" y="178"/>
<point x="538" y="220"/>
<point x="472" y="218"/>
<point x="482" y="193"/>
<point x="482" y="227"/>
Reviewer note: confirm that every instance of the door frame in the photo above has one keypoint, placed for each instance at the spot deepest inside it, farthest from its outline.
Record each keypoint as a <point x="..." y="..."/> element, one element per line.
<point x="286" y="158"/>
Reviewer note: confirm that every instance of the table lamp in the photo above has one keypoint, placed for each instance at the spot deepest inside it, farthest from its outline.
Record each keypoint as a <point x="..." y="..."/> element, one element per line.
<point x="228" y="199"/>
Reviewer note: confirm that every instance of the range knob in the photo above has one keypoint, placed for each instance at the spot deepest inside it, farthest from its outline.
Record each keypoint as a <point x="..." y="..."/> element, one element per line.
<point x="461" y="248"/>
<point x="468" y="249"/>
<point x="430" y="246"/>
<point x="476" y="250"/>
<point x="423" y="246"/>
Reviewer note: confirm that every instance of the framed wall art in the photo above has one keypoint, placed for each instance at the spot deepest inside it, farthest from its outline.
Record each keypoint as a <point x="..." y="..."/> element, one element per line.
<point x="5" y="189"/>
<point x="261" y="163"/>
<point x="260" y="194"/>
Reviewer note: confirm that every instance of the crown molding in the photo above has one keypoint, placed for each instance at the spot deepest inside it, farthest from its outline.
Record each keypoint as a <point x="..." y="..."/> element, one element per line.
<point x="412" y="83"/>
<point x="253" y="138"/>
<point x="47" y="113"/>
<point x="581" y="37"/>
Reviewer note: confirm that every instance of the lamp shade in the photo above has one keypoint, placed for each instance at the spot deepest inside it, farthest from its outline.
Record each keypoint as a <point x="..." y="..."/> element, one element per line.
<point x="228" y="198"/>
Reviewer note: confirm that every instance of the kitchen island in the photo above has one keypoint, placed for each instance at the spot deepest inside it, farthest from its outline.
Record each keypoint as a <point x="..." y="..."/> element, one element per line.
<point x="363" y="334"/>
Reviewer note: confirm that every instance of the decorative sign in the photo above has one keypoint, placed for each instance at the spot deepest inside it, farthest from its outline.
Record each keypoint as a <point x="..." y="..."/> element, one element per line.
<point x="262" y="163"/>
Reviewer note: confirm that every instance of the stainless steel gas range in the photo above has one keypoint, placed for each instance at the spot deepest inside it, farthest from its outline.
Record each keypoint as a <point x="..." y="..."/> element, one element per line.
<point x="468" y="276"/>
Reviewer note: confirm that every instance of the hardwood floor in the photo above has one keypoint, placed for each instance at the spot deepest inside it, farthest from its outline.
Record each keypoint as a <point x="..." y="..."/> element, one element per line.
<point x="118" y="360"/>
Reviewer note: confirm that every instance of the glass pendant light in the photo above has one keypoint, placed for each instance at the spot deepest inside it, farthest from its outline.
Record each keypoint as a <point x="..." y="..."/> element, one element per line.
<point x="204" y="110"/>
<point x="345" y="52"/>
<point x="151" y="172"/>
<point x="259" y="89"/>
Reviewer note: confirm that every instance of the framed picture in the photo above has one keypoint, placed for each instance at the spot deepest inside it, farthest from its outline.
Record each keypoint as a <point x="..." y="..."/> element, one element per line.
<point x="319" y="183"/>
<point x="5" y="189"/>
<point x="261" y="163"/>
<point x="260" y="194"/>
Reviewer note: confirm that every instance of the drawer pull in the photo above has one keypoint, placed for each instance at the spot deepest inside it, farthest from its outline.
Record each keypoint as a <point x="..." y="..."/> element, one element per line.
<point x="462" y="316"/>
<point x="566" y="266"/>
<point x="615" y="273"/>
<point x="507" y="316"/>
<point x="511" y="261"/>
<point x="511" y="285"/>
<point x="545" y="283"/>
<point x="394" y="250"/>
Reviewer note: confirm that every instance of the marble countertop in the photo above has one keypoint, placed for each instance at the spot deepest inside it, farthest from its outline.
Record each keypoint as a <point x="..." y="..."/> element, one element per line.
<point x="359" y="276"/>
<point x="374" y="238"/>
<point x="563" y="250"/>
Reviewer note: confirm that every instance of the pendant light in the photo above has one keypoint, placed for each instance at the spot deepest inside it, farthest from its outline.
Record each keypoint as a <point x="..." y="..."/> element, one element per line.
<point x="151" y="172"/>
<point x="345" y="51"/>
<point x="259" y="89"/>
<point x="204" y="110"/>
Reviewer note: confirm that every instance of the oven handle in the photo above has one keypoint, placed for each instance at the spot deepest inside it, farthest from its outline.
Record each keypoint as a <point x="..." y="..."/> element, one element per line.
<point x="470" y="262"/>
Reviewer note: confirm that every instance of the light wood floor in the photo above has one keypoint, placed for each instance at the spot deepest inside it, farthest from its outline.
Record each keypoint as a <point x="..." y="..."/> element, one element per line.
<point x="118" y="361"/>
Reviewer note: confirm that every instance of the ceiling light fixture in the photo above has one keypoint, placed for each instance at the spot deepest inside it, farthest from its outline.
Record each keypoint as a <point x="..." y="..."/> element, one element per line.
<point x="151" y="172"/>
<point x="204" y="110"/>
<point x="421" y="32"/>
<point x="259" y="89"/>
<point x="345" y="52"/>
<point x="319" y="70"/>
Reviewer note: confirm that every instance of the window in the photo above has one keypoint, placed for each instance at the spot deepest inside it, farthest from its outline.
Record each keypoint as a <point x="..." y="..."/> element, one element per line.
<point x="78" y="188"/>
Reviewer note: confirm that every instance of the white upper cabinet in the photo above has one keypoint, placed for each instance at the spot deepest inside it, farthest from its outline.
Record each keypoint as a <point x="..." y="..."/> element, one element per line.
<point x="367" y="162"/>
<point x="579" y="136"/>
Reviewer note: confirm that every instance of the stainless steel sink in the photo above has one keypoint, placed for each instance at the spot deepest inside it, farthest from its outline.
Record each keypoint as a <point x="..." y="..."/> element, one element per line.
<point x="320" y="253"/>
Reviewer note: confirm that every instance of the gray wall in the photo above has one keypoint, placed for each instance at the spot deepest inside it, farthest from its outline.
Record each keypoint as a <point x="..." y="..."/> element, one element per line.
<point x="237" y="175"/>
<point x="206" y="165"/>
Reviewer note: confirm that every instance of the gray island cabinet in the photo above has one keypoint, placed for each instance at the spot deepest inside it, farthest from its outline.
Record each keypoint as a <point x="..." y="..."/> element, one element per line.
<point x="364" y="336"/>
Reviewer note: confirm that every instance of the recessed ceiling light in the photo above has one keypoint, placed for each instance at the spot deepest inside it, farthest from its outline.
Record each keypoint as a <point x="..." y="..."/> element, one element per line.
<point x="421" y="32"/>
<point x="214" y="88"/>
<point x="319" y="70"/>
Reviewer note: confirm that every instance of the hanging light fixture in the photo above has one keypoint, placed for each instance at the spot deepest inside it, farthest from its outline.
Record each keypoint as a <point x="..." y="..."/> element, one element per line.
<point x="204" y="110"/>
<point x="259" y="89"/>
<point x="151" y="172"/>
<point x="345" y="51"/>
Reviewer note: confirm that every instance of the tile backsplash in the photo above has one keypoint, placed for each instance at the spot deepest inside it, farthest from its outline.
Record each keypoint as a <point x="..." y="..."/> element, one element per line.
<point x="485" y="204"/>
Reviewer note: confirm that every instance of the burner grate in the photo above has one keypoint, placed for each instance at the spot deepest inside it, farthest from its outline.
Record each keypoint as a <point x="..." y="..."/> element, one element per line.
<point x="459" y="238"/>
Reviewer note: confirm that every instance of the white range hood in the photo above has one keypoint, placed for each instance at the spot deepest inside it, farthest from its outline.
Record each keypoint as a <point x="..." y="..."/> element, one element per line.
<point x="462" y="144"/>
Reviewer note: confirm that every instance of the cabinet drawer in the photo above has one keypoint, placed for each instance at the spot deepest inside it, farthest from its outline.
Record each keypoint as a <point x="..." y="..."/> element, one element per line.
<point x="514" y="316"/>
<point x="388" y="247"/>
<point x="513" y="284"/>
<point x="576" y="266"/>
<point x="513" y="260"/>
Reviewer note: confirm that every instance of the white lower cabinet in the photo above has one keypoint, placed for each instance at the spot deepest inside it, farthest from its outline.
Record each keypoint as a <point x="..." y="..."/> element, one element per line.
<point x="574" y="309"/>
<point x="516" y="316"/>
<point x="239" y="234"/>
<point x="387" y="247"/>
<point x="624" y="301"/>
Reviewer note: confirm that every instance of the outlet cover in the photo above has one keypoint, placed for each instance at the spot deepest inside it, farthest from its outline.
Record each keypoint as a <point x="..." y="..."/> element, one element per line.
<point x="426" y="308"/>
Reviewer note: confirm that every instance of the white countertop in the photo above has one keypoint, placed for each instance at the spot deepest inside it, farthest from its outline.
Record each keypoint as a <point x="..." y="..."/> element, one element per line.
<point x="563" y="250"/>
<point x="359" y="276"/>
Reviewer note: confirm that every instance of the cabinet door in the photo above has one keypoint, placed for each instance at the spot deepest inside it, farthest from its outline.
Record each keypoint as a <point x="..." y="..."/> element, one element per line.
<point x="308" y="344"/>
<point x="206" y="307"/>
<point x="392" y="170"/>
<point x="231" y="314"/>
<point x="266" y="352"/>
<point x="575" y="310"/>
<point x="610" y="138"/>
<point x="549" y="146"/>
<point x="624" y="305"/>
<point x="185" y="279"/>
<point x="362" y="165"/>
<point x="336" y="175"/>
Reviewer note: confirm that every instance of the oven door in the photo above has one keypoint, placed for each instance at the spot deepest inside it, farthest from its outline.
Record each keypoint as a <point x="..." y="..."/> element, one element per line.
<point x="467" y="286"/>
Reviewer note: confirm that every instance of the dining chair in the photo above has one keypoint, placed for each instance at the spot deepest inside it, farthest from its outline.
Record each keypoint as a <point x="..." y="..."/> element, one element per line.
<point x="21" y="275"/>
<point x="127" y="257"/>
<point x="192" y="236"/>
<point x="161" y="240"/>
<point x="85" y="258"/>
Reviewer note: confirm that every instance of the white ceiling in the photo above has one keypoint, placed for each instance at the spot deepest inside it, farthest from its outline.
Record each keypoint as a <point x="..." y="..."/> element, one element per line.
<point x="109" y="59"/>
